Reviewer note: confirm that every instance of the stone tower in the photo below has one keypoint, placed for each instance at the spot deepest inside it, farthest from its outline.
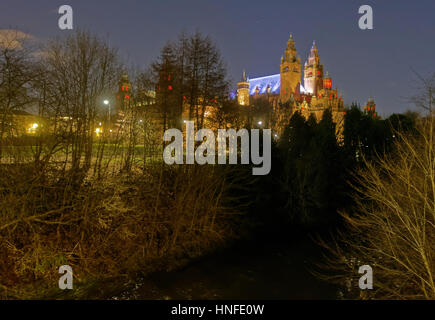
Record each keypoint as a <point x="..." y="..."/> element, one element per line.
<point x="124" y="91"/>
<point x="290" y="71"/>
<point x="313" y="72"/>
<point x="243" y="91"/>
<point x="370" y="107"/>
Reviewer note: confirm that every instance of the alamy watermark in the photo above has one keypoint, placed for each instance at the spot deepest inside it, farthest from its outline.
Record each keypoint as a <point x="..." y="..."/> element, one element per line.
<point x="66" y="20"/>
<point x="66" y="280"/>
<point x="366" y="20"/>
<point x="205" y="153"/>
<point x="366" y="280"/>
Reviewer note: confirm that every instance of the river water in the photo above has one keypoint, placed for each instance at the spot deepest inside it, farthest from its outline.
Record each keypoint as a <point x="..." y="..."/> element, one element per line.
<point x="248" y="270"/>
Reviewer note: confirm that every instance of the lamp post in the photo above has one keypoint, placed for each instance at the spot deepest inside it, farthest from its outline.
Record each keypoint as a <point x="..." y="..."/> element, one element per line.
<point x="107" y="103"/>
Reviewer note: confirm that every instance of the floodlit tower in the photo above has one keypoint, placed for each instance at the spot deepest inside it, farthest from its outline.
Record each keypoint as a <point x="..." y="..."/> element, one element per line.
<point x="243" y="91"/>
<point x="124" y="91"/>
<point x="290" y="71"/>
<point x="327" y="82"/>
<point x="313" y="72"/>
<point x="370" y="107"/>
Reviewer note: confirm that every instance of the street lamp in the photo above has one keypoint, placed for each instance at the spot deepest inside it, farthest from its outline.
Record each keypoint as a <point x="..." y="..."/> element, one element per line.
<point x="107" y="103"/>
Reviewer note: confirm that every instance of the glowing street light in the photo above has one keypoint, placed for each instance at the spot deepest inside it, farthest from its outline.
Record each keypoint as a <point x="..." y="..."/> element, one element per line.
<point x="107" y="103"/>
<point x="33" y="128"/>
<point x="260" y="123"/>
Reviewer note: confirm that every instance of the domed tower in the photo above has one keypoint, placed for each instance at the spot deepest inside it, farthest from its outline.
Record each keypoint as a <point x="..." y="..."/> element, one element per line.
<point x="313" y="72"/>
<point x="243" y="91"/>
<point x="290" y="71"/>
<point x="370" y="107"/>
<point x="327" y="82"/>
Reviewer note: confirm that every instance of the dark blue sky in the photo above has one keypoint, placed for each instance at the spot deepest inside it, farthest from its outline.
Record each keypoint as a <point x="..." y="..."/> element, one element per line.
<point x="252" y="35"/>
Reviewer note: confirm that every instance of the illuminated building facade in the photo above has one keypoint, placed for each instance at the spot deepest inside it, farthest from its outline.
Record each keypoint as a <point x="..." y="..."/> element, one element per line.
<point x="314" y="96"/>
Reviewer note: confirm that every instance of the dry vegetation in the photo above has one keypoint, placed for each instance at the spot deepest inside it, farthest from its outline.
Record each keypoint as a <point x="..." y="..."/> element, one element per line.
<point x="392" y="228"/>
<point x="105" y="205"/>
<point x="105" y="228"/>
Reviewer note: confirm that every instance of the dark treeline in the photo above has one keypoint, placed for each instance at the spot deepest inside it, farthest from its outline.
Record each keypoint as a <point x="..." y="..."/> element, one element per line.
<point x="367" y="198"/>
<point x="313" y="171"/>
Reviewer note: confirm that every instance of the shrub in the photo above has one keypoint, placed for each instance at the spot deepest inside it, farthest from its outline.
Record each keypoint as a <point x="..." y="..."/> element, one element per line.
<point x="392" y="228"/>
<point x="107" y="228"/>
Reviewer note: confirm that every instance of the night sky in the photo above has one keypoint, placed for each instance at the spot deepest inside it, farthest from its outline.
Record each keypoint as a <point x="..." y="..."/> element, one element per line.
<point x="252" y="35"/>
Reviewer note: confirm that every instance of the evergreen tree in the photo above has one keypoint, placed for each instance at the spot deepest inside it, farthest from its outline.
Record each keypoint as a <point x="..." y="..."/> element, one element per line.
<point x="165" y="72"/>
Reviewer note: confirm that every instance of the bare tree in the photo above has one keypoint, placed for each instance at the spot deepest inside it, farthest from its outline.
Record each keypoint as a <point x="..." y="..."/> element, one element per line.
<point x="81" y="69"/>
<point x="16" y="75"/>
<point x="392" y="227"/>
<point x="426" y="98"/>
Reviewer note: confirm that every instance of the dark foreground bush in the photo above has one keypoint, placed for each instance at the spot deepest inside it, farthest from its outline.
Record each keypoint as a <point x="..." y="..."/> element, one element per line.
<point x="392" y="228"/>
<point x="106" y="229"/>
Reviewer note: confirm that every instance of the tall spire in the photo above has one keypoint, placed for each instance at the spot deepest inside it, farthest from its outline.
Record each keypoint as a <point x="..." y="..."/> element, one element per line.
<point x="290" y="70"/>
<point x="291" y="42"/>
<point x="244" y="76"/>
<point x="314" y="48"/>
<point x="314" y="54"/>
<point x="125" y="76"/>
